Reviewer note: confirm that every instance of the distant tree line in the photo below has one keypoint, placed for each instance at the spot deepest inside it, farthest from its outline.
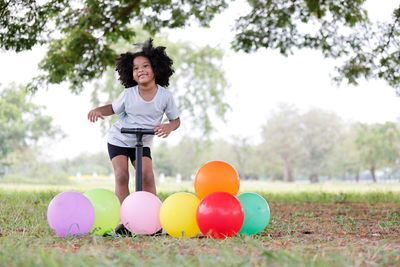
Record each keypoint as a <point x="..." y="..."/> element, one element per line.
<point x="293" y="145"/>
<point x="311" y="145"/>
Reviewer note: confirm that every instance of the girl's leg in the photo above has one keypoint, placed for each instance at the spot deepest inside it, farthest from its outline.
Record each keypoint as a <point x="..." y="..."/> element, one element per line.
<point x="148" y="183"/>
<point x="121" y="171"/>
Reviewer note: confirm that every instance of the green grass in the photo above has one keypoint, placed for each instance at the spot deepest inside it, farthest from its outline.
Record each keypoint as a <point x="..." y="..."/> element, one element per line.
<point x="161" y="252"/>
<point x="283" y="192"/>
<point x="27" y="240"/>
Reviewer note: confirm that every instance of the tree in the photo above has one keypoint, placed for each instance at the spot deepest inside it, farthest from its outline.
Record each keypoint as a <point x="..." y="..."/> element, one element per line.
<point x="22" y="123"/>
<point x="320" y="133"/>
<point x="221" y="149"/>
<point x="378" y="145"/>
<point x="281" y="138"/>
<point x="80" y="34"/>
<point x="199" y="78"/>
<point x="86" y="163"/>
<point x="163" y="159"/>
<point x="339" y="29"/>
<point x="244" y="158"/>
<point x="187" y="156"/>
<point x="345" y="158"/>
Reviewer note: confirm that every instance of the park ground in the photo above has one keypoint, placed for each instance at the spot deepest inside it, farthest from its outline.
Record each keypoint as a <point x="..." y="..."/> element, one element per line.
<point x="334" y="224"/>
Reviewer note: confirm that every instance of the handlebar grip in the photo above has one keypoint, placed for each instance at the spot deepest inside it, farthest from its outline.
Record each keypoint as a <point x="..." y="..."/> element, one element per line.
<point x="137" y="131"/>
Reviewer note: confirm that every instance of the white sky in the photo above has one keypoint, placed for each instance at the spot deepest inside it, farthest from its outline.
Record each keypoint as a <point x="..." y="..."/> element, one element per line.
<point x="258" y="83"/>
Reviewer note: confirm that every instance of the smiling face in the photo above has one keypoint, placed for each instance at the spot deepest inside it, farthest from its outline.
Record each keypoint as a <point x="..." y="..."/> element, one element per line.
<point x="142" y="71"/>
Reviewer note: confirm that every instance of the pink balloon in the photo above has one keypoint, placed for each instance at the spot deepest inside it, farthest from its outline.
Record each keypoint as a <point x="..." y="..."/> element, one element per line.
<point x="140" y="213"/>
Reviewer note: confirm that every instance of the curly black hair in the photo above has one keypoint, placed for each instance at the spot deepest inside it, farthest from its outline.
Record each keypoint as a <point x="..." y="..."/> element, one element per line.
<point x="160" y="62"/>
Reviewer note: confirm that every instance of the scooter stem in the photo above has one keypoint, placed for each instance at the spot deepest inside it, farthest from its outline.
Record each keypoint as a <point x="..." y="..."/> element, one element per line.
<point x="139" y="132"/>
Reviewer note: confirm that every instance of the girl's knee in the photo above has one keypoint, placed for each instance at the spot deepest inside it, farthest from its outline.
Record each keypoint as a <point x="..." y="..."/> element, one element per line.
<point x="121" y="177"/>
<point x="148" y="175"/>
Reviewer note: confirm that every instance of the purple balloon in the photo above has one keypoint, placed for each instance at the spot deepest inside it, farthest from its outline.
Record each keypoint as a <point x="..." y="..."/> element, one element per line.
<point x="70" y="213"/>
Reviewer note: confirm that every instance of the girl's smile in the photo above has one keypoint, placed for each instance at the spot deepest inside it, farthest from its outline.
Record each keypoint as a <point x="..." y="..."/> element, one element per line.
<point x="142" y="70"/>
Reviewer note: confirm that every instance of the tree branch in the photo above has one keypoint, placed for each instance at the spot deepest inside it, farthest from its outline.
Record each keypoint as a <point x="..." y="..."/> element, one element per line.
<point x="127" y="10"/>
<point x="4" y="8"/>
<point x="397" y="14"/>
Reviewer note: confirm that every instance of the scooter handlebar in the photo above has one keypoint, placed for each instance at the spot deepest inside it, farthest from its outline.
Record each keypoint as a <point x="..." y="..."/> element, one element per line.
<point x="137" y="131"/>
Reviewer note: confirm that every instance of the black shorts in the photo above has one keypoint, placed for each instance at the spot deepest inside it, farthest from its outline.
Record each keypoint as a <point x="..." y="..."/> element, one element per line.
<point x="126" y="151"/>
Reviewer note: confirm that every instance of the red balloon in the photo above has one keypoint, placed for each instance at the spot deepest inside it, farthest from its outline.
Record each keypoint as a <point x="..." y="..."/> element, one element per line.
<point x="220" y="215"/>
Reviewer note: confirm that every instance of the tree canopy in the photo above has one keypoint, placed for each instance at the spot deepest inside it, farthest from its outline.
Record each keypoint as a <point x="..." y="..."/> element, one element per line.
<point x="21" y="122"/>
<point x="301" y="141"/>
<point x="339" y="29"/>
<point x="378" y="145"/>
<point x="80" y="34"/>
<point x="281" y="139"/>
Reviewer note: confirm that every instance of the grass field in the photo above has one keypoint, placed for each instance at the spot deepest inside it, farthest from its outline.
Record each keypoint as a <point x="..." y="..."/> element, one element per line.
<point x="311" y="225"/>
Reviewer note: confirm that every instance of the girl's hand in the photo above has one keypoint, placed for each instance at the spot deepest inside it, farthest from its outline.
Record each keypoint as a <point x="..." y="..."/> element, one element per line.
<point x="163" y="130"/>
<point x="94" y="115"/>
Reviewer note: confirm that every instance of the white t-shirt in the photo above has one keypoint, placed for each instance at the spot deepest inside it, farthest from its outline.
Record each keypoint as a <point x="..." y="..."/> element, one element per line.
<point x="138" y="113"/>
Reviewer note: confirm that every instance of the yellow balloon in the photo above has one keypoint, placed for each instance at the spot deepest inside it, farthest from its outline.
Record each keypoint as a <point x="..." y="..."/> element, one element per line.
<point x="178" y="215"/>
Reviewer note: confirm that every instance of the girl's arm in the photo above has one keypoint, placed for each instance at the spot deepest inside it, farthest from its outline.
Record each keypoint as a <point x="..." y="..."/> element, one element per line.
<point x="100" y="112"/>
<point x="163" y="130"/>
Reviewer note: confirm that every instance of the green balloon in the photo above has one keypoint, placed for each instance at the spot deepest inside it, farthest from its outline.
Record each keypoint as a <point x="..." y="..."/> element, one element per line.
<point x="256" y="213"/>
<point x="106" y="210"/>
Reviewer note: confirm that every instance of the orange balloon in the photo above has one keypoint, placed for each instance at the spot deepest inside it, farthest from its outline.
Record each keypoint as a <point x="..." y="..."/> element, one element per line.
<point x="216" y="176"/>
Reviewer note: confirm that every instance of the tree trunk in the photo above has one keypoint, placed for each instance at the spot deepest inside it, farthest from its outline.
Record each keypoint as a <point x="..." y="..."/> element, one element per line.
<point x="314" y="178"/>
<point x="288" y="173"/>
<point x="357" y="177"/>
<point x="373" y="174"/>
<point x="271" y="173"/>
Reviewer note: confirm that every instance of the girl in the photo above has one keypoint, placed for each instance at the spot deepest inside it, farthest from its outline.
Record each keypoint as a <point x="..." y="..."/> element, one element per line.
<point x="142" y="104"/>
